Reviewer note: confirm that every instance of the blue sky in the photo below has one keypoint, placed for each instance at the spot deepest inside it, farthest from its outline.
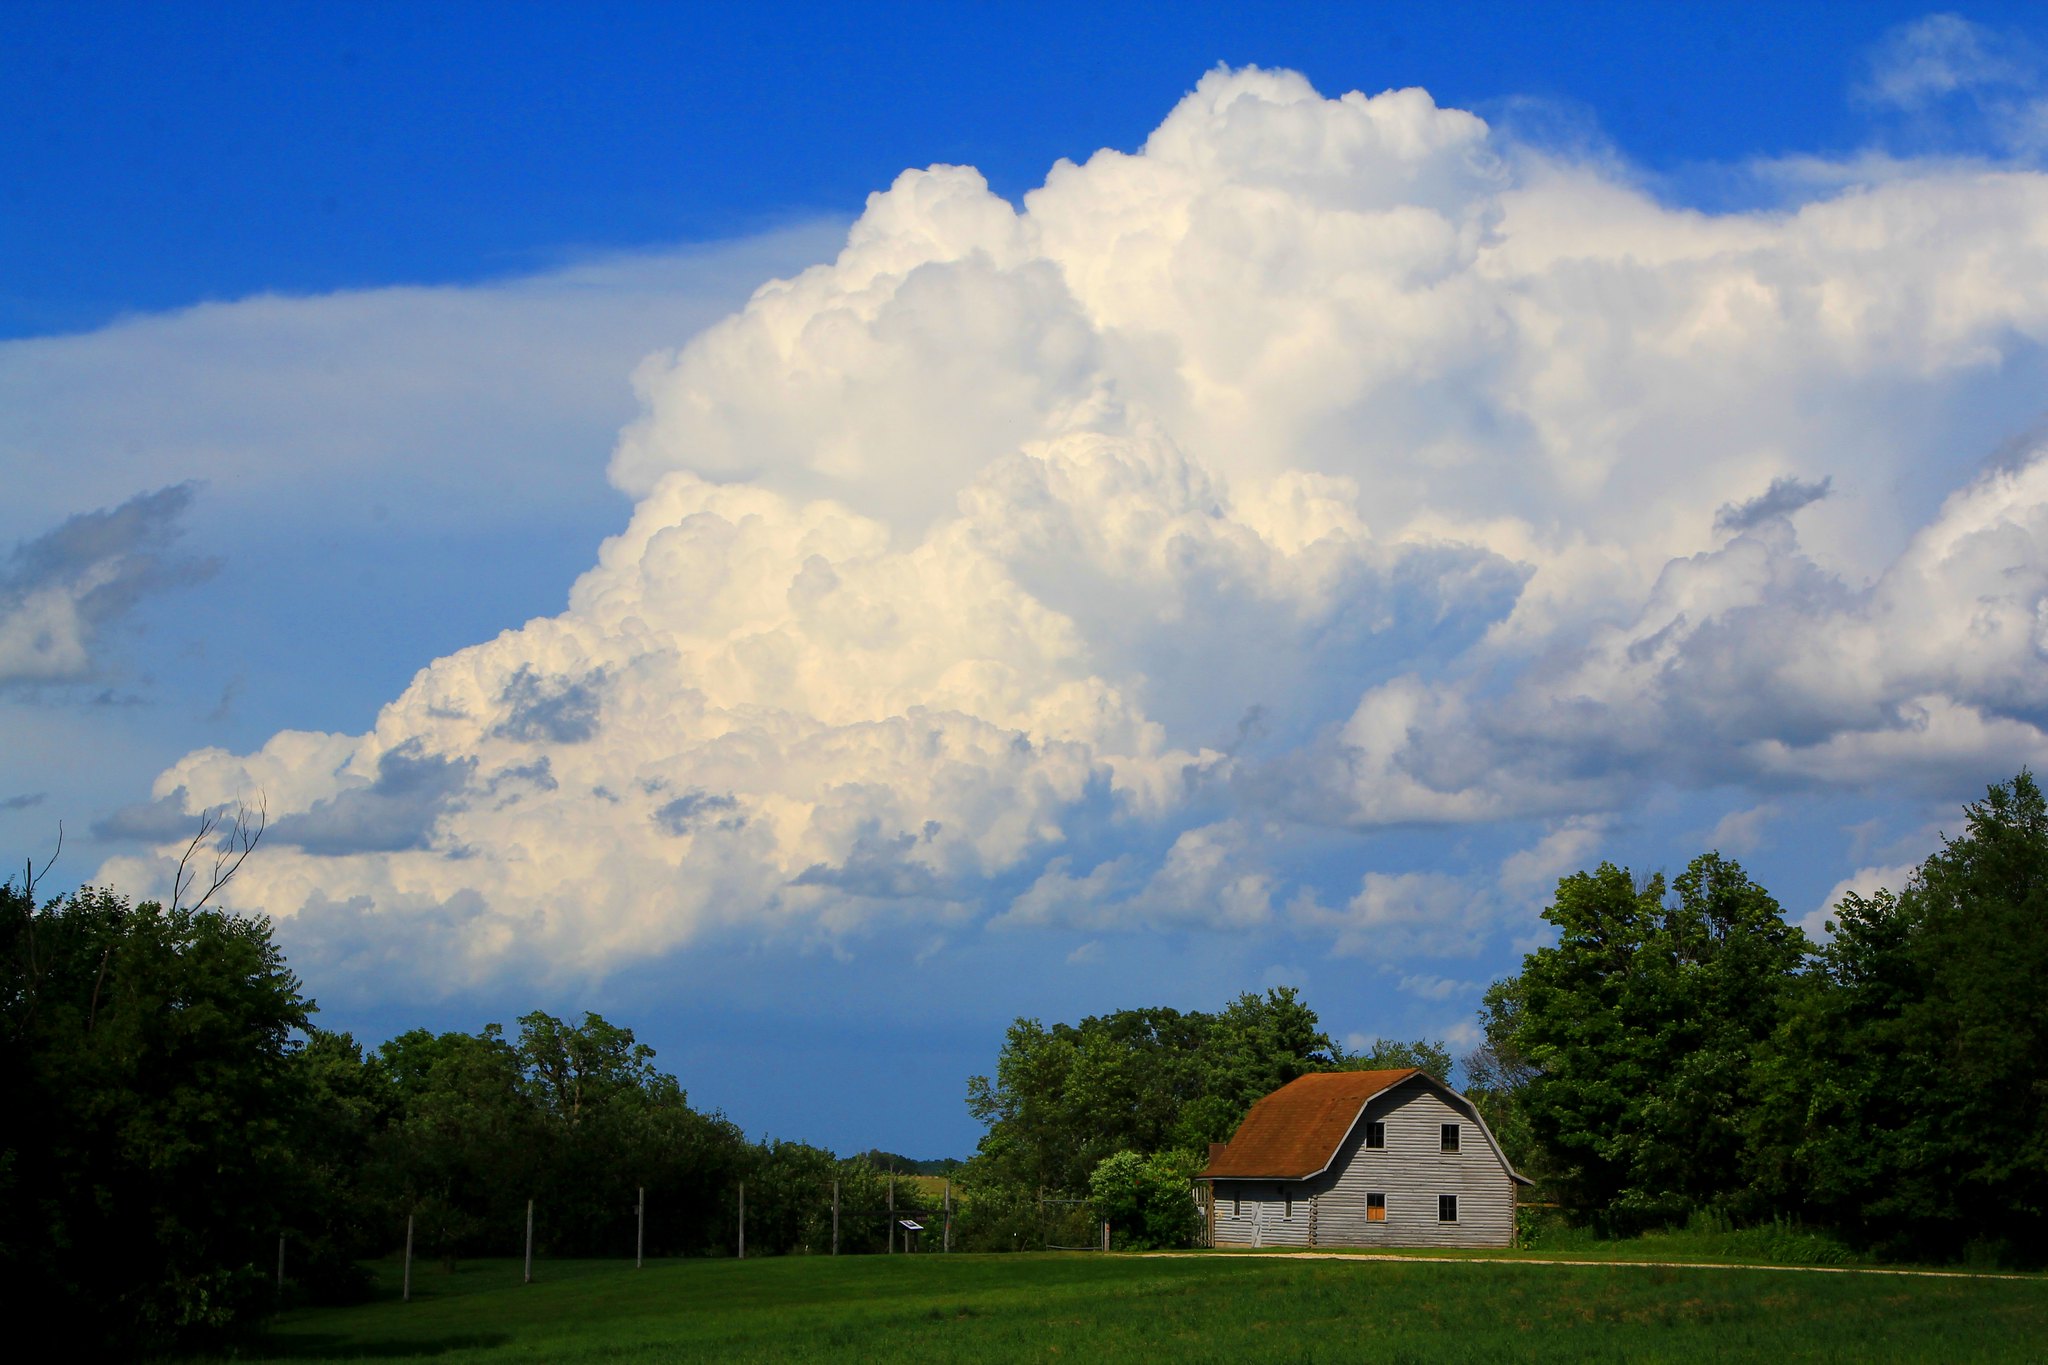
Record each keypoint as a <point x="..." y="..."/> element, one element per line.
<point x="1270" y="553"/>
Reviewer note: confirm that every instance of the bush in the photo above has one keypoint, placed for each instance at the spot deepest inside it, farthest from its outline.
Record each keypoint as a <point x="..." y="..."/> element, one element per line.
<point x="1148" y="1201"/>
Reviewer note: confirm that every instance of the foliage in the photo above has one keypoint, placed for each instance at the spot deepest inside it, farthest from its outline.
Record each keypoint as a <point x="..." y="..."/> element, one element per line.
<point x="153" y="1103"/>
<point x="996" y="1216"/>
<point x="1906" y="1097"/>
<point x="1387" y="1054"/>
<point x="1641" y="1025"/>
<point x="1706" y="1236"/>
<point x="1148" y="1201"/>
<point x="906" y="1165"/>
<point x="344" y="1102"/>
<point x="575" y="1118"/>
<point x="1497" y="1078"/>
<point x="457" y="1152"/>
<point x="1065" y="1098"/>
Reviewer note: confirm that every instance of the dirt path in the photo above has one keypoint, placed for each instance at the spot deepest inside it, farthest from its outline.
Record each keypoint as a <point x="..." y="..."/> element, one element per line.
<point x="1547" y="1260"/>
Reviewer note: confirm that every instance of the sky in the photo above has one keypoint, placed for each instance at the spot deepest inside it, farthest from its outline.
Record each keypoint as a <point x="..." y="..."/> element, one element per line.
<point x="814" y="533"/>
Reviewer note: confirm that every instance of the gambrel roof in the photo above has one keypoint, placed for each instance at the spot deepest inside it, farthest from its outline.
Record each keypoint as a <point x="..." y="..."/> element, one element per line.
<point x="1296" y="1131"/>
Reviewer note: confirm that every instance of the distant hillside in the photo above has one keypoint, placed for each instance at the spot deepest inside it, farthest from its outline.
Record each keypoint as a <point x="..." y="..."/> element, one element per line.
<point x="903" y="1165"/>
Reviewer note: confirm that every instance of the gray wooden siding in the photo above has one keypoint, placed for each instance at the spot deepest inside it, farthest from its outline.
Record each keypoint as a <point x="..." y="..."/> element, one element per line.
<point x="1411" y="1170"/>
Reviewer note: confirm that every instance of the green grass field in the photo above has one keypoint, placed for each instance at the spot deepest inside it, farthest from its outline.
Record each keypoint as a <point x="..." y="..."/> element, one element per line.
<point x="1191" y="1308"/>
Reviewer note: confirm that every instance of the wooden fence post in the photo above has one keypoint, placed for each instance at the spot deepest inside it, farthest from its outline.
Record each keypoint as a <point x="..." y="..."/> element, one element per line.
<point x="835" y="1218"/>
<point x="407" y="1293"/>
<point x="892" y="1215"/>
<point x="1105" y="1234"/>
<point x="529" y="1242"/>
<point x="640" y="1230"/>
<point x="947" y="1245"/>
<point x="743" y="1220"/>
<point x="280" y="1263"/>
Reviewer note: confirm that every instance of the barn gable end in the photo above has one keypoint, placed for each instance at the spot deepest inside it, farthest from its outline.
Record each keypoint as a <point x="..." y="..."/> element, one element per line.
<point x="1301" y="1169"/>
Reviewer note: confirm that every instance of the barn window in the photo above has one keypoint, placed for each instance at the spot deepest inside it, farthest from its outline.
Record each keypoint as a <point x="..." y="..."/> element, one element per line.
<point x="1375" y="1208"/>
<point x="1375" y="1134"/>
<point x="1236" y="1202"/>
<point x="1447" y="1208"/>
<point x="1290" y="1207"/>
<point x="1450" y="1137"/>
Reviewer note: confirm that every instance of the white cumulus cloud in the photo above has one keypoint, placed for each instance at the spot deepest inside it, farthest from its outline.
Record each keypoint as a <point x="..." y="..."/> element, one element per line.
<point x="1324" y="464"/>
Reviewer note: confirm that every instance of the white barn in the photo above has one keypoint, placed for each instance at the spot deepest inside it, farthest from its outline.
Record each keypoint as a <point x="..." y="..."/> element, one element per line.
<point x="1362" y="1159"/>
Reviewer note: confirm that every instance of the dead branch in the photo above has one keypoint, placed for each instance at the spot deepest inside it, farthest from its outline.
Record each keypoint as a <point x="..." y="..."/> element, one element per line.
<point x="230" y="851"/>
<point x="29" y="873"/>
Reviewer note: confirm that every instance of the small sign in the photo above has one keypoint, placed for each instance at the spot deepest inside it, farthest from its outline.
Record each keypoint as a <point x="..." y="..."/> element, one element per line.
<point x="914" y="1227"/>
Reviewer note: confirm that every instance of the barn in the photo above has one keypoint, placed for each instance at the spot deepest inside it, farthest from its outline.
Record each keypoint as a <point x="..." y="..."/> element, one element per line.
<point x="1362" y="1159"/>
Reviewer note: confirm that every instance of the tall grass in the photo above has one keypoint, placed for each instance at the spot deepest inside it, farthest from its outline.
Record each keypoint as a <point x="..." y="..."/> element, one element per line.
<point x="1707" y="1236"/>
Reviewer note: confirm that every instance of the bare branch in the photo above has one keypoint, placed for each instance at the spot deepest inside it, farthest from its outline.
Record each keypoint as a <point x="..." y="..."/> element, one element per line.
<point x="28" y="911"/>
<point x="234" y="847"/>
<point x="208" y="821"/>
<point x="29" y="870"/>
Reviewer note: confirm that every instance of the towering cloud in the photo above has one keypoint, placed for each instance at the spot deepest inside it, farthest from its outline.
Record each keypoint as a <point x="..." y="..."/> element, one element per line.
<point x="1325" y="463"/>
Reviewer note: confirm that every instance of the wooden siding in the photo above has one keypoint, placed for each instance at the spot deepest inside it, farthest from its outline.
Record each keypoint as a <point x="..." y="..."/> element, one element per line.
<point x="1411" y="1170"/>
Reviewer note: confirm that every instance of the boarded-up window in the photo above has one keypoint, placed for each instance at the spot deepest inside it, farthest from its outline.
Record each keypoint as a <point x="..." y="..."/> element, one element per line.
<point x="1450" y="1137"/>
<point x="1375" y="1134"/>
<point x="1375" y="1208"/>
<point x="1447" y="1208"/>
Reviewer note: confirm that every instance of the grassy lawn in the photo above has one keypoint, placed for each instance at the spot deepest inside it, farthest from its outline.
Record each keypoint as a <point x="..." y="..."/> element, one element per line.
<point x="1196" y="1308"/>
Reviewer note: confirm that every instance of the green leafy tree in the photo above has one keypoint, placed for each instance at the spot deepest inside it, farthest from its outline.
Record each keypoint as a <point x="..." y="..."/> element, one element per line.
<point x="344" y="1104"/>
<point x="464" y="1147"/>
<point x="1260" y="1043"/>
<point x="1065" y="1098"/>
<point x="789" y="1206"/>
<point x="576" y="1118"/>
<point x="864" y="1207"/>
<point x="1387" y="1054"/>
<point x="1148" y="1201"/>
<point x="147" y="1146"/>
<point x="1497" y="1076"/>
<point x="1641" y="1025"/>
<point x="1906" y="1098"/>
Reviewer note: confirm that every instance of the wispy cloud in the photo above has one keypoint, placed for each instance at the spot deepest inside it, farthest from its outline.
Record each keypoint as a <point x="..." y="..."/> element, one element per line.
<point x="1941" y="55"/>
<point x="61" y="591"/>
<point x="1947" y="67"/>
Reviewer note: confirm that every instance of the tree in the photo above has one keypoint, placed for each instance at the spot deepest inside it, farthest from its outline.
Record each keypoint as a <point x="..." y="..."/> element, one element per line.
<point x="1640" y="1026"/>
<point x="1387" y="1054"/>
<point x="1906" y="1098"/>
<point x="609" y="1124"/>
<point x="1260" y="1043"/>
<point x="1497" y="1078"/>
<point x="1145" y="1080"/>
<point x="153" y="1094"/>
<point x="338" y="1217"/>
<point x="464" y="1145"/>
<point x="1148" y="1201"/>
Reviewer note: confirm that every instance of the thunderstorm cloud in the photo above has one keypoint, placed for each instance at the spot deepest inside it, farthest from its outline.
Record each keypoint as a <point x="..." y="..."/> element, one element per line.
<point x="1325" y="464"/>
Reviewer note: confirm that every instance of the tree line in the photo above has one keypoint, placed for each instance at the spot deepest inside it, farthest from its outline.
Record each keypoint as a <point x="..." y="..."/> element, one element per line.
<point x="1122" y="1107"/>
<point x="1680" y="1050"/>
<point x="174" y="1110"/>
<point x="173" y="1113"/>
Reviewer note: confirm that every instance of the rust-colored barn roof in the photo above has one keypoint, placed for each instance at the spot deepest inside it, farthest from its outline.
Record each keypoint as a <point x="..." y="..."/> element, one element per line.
<point x="1295" y="1131"/>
